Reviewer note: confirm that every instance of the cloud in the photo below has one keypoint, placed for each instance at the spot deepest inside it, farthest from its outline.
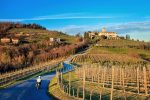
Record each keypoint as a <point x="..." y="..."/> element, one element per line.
<point x="143" y="35"/>
<point x="140" y="30"/>
<point x="74" y="29"/>
<point x="131" y="26"/>
<point x="61" y="16"/>
<point x="137" y="30"/>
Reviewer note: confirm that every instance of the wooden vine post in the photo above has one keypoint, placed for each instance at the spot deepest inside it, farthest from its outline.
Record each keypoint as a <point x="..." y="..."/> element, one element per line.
<point x="120" y="71"/>
<point x="138" y="83"/>
<point x="92" y="75"/>
<point x="145" y="80"/>
<point x="83" y="82"/>
<point x="98" y="74"/>
<point x="73" y="92"/>
<point x="123" y="81"/>
<point x="63" y="88"/>
<point x="78" y="93"/>
<point x="91" y="95"/>
<point x="104" y="77"/>
<point x="112" y="83"/>
<point x="100" y="95"/>
<point x="69" y="83"/>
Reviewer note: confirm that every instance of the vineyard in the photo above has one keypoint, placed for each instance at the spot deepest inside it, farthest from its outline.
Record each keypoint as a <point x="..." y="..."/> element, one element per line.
<point x="93" y="81"/>
<point x="105" y="58"/>
<point x="125" y="43"/>
<point x="113" y="72"/>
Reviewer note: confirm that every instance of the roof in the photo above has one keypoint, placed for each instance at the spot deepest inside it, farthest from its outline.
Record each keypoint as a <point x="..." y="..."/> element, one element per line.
<point x="108" y="32"/>
<point x="5" y="38"/>
<point x="15" y="39"/>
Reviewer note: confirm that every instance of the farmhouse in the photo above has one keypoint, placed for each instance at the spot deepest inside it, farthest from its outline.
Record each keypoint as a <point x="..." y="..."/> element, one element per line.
<point x="55" y="40"/>
<point x="5" y="40"/>
<point x="15" y="40"/>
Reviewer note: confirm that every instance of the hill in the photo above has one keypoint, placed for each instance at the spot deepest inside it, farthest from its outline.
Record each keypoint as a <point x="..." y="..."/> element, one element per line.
<point x="31" y="32"/>
<point x="37" y="35"/>
<point x="121" y="51"/>
<point x="110" y="69"/>
<point x="22" y="47"/>
<point x="5" y="26"/>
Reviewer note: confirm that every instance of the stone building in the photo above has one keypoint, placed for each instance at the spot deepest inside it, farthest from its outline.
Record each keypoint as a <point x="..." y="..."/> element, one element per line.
<point x="109" y="35"/>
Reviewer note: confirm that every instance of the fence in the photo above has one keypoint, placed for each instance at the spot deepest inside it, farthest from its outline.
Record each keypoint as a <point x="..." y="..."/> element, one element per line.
<point x="12" y="76"/>
<point x="123" y="79"/>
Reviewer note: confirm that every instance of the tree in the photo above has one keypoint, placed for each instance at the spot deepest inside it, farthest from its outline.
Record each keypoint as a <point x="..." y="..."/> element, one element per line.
<point x="86" y="35"/>
<point x="5" y="58"/>
<point x="103" y="37"/>
<point x="127" y="37"/>
<point x="78" y="35"/>
<point x="121" y="37"/>
<point x="79" y="39"/>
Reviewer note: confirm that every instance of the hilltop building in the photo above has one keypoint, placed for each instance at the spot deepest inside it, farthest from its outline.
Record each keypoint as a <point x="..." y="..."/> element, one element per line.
<point x="15" y="40"/>
<point x="5" y="40"/>
<point x="109" y="35"/>
<point x="55" y="40"/>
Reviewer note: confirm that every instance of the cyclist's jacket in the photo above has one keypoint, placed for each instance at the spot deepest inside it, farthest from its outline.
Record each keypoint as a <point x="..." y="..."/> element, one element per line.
<point x="38" y="80"/>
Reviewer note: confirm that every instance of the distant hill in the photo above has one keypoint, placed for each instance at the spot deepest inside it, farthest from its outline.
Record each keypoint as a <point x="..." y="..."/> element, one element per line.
<point x="23" y="45"/>
<point x="37" y="35"/>
<point x="31" y="32"/>
<point x="5" y="26"/>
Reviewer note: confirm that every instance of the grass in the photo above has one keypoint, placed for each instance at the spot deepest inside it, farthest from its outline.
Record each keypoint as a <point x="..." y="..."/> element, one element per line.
<point x="41" y="35"/>
<point x="131" y="52"/>
<point x="55" y="91"/>
<point x="27" y="77"/>
<point x="26" y="30"/>
<point x="116" y="50"/>
<point x="97" y="89"/>
<point x="53" y="87"/>
<point x="72" y="74"/>
<point x="122" y="43"/>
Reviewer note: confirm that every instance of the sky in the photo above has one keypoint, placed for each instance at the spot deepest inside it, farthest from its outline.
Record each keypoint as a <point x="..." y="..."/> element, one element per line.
<point x="77" y="16"/>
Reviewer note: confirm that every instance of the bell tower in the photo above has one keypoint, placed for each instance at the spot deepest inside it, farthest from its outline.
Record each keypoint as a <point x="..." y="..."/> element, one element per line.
<point x="104" y="29"/>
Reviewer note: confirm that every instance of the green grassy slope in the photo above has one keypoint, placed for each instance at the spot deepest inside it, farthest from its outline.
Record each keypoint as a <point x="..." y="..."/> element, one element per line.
<point x="136" y="49"/>
<point x="40" y="35"/>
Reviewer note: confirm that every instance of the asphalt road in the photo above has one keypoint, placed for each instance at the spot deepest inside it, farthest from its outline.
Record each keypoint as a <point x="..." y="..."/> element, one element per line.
<point x="27" y="90"/>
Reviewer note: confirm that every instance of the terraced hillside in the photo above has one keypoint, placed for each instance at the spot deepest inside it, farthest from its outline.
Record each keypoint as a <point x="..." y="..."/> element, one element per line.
<point x="24" y="45"/>
<point x="37" y="35"/>
<point x="121" y="51"/>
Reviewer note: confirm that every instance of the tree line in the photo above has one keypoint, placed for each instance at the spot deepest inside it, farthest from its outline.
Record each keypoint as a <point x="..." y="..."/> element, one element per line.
<point x="5" y="26"/>
<point x="12" y="58"/>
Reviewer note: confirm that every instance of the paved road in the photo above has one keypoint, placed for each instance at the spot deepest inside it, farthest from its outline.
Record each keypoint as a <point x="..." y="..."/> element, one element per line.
<point x="27" y="90"/>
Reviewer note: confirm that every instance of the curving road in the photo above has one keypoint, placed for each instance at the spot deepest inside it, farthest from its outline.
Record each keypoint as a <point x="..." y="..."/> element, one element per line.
<point x="27" y="91"/>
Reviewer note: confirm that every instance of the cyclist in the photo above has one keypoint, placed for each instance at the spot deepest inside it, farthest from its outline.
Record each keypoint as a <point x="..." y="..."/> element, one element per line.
<point x="38" y="81"/>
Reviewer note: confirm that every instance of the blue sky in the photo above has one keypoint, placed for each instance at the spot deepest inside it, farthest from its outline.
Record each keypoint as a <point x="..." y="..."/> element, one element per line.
<point x="74" y="16"/>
